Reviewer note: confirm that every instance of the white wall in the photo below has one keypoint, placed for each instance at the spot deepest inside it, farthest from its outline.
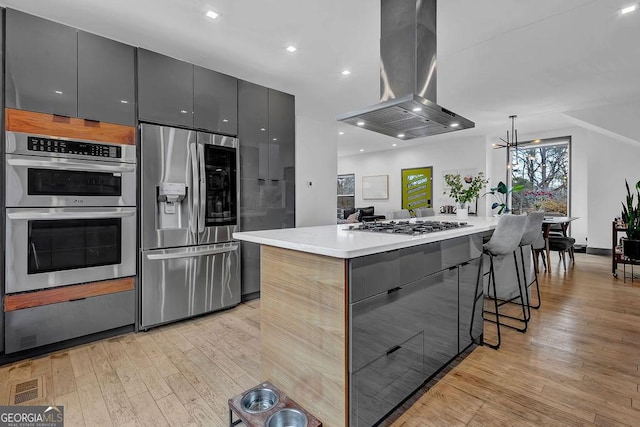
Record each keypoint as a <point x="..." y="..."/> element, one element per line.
<point x="316" y="147"/>
<point x="463" y="153"/>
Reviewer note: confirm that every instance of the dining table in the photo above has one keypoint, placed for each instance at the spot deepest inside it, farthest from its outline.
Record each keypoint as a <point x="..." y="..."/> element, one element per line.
<point x="548" y="223"/>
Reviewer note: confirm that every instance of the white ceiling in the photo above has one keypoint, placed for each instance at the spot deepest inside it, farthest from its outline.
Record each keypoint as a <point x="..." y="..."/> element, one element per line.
<point x="534" y="58"/>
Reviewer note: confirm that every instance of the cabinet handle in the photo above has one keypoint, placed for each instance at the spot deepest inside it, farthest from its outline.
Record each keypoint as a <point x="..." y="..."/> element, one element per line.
<point x="464" y="263"/>
<point x="453" y="268"/>
<point x="77" y="299"/>
<point x="390" y="291"/>
<point x="393" y="349"/>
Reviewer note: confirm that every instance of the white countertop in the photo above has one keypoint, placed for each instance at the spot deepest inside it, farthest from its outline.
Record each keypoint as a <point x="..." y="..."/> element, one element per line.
<point x="339" y="242"/>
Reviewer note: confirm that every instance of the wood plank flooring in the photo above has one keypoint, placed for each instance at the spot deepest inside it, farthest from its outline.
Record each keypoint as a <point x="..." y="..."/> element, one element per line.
<point x="577" y="365"/>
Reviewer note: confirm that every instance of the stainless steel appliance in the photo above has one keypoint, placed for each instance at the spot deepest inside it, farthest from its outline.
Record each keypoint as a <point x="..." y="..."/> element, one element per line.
<point x="48" y="247"/>
<point x="408" y="76"/>
<point x="51" y="171"/>
<point x="70" y="236"/>
<point x="190" y="197"/>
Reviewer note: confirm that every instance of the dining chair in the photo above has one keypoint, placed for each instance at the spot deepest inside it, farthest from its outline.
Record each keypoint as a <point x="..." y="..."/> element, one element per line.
<point x="562" y="245"/>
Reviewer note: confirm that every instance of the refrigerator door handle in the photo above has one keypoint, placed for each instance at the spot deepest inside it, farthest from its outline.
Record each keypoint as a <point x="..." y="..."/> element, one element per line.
<point x="195" y="202"/>
<point x="203" y="189"/>
<point x="192" y="254"/>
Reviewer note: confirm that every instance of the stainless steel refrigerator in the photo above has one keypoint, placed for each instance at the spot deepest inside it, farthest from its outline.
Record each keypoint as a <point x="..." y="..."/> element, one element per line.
<point x="189" y="211"/>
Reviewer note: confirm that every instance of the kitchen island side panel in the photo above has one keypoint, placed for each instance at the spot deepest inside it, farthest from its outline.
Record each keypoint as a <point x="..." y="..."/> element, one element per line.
<point x="304" y="304"/>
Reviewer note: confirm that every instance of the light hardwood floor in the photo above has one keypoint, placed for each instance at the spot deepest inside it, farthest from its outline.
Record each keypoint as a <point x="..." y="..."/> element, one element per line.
<point x="577" y="365"/>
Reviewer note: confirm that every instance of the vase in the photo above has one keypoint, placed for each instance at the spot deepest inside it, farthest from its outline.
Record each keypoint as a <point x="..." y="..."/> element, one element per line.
<point x="631" y="249"/>
<point x="462" y="212"/>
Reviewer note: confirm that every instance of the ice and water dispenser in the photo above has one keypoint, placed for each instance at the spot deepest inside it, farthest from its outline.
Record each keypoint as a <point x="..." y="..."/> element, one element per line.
<point x="172" y="210"/>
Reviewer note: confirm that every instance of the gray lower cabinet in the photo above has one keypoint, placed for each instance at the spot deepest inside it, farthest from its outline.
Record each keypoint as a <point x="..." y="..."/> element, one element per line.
<point x="41" y="71"/>
<point x="410" y="313"/>
<point x="471" y="304"/>
<point x="106" y="80"/>
<point x="264" y="205"/>
<point x="47" y="324"/>
<point x="165" y="89"/>
<point x="215" y="101"/>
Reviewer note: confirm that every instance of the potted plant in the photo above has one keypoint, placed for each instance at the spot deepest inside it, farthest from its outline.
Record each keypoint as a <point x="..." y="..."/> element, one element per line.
<point x="464" y="190"/>
<point x="501" y="193"/>
<point x="631" y="218"/>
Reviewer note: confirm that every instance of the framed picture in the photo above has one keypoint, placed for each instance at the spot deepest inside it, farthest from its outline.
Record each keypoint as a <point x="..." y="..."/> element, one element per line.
<point x="417" y="187"/>
<point x="375" y="187"/>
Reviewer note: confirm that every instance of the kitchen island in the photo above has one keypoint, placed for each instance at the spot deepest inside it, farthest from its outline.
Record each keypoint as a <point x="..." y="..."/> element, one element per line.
<point x="353" y="322"/>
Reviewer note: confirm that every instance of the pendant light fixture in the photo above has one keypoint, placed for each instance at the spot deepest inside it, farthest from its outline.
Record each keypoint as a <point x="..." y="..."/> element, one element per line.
<point x="510" y="144"/>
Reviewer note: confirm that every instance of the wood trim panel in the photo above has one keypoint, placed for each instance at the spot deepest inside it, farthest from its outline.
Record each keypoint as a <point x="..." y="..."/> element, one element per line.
<point x="66" y="293"/>
<point x="68" y="127"/>
<point x="303" y="328"/>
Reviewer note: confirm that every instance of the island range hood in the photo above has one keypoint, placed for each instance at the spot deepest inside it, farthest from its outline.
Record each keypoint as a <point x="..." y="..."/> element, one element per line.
<point x="407" y="107"/>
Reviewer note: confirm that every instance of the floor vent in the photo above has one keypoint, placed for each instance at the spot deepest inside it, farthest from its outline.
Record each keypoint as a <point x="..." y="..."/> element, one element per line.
<point x="27" y="391"/>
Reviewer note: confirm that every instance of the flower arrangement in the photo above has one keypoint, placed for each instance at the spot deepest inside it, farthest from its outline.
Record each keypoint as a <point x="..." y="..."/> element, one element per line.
<point x="537" y="198"/>
<point x="464" y="189"/>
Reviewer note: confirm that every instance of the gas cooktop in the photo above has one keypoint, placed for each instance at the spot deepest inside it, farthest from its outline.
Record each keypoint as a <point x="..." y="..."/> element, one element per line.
<point x="410" y="228"/>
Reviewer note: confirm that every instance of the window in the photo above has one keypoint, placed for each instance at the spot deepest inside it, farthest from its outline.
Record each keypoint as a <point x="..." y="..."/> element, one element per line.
<point x="346" y="191"/>
<point x="542" y="167"/>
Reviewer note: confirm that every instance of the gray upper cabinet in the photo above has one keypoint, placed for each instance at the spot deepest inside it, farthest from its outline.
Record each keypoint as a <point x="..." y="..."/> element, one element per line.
<point x="165" y="89"/>
<point x="215" y="101"/>
<point x="253" y="130"/>
<point x="282" y="136"/>
<point x="41" y="65"/>
<point x="106" y="80"/>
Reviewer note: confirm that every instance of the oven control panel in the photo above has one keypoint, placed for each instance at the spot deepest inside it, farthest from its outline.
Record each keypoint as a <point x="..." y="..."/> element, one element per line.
<point x="73" y="147"/>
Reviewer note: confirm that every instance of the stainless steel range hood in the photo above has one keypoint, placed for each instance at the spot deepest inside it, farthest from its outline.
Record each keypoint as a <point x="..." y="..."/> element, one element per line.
<point x="408" y="76"/>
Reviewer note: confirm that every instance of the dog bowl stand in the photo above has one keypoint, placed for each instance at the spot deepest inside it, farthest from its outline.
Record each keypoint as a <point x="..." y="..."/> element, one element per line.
<point x="259" y="419"/>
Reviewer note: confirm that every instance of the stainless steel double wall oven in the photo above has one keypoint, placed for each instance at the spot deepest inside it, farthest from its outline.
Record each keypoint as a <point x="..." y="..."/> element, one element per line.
<point x="189" y="210"/>
<point x="70" y="230"/>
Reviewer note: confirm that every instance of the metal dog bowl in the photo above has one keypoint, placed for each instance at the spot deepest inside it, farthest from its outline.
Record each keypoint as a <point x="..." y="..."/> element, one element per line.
<point x="259" y="400"/>
<point x="287" y="418"/>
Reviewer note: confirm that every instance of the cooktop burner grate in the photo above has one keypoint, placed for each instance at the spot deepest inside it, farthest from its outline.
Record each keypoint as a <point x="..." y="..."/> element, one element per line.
<point x="409" y="228"/>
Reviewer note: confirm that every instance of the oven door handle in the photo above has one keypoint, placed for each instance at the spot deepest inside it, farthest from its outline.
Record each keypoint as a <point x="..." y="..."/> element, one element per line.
<point x="88" y="167"/>
<point x="34" y="215"/>
<point x="192" y="254"/>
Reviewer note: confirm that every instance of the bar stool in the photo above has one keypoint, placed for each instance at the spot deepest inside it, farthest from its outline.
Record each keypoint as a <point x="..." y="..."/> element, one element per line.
<point x="532" y="231"/>
<point x="504" y="242"/>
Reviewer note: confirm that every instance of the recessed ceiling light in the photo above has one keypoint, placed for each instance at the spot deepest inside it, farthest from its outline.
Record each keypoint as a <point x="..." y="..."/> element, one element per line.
<point x="291" y="48"/>
<point x="346" y="72"/>
<point x="211" y="14"/>
<point x="401" y="135"/>
<point x="262" y="129"/>
<point x="124" y="101"/>
<point x="628" y="9"/>
<point x="360" y="123"/>
<point x="455" y="125"/>
<point x="59" y="92"/>
<point x="537" y="140"/>
<point x="417" y="109"/>
<point x="394" y="145"/>
<point x="361" y="150"/>
<point x="275" y="139"/>
<point x="340" y="133"/>
<point x="183" y="111"/>
<point x="225" y="120"/>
